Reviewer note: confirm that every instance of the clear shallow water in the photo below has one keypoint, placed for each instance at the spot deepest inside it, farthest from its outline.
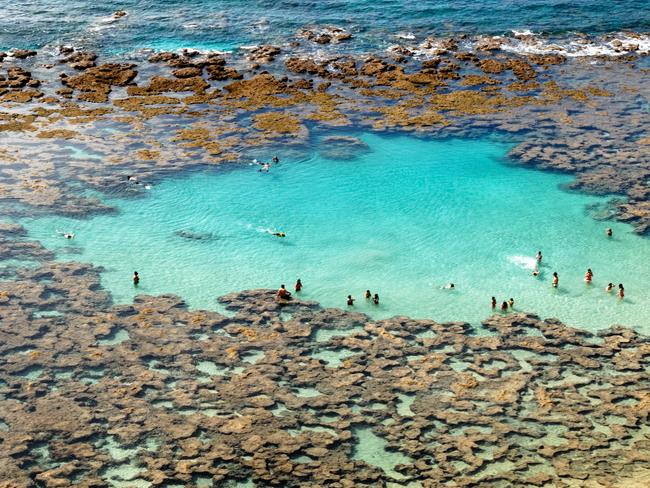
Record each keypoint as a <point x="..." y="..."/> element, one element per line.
<point x="402" y="220"/>
<point x="224" y="24"/>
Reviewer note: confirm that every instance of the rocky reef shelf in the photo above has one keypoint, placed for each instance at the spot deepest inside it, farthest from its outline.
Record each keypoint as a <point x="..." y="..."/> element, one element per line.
<point x="278" y="401"/>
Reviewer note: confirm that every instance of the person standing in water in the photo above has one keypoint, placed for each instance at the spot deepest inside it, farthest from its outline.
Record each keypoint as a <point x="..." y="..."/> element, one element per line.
<point x="610" y="287"/>
<point x="298" y="285"/>
<point x="504" y="306"/>
<point x="621" y="291"/>
<point x="136" y="278"/>
<point x="350" y="301"/>
<point x="539" y="256"/>
<point x="494" y="303"/>
<point x="511" y="303"/>
<point x="375" y="299"/>
<point x="556" y="280"/>
<point x="589" y="276"/>
<point x="609" y="232"/>
<point x="368" y="295"/>
<point x="275" y="159"/>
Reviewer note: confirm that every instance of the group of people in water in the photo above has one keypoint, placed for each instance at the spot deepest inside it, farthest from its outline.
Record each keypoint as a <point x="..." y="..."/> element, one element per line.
<point x="264" y="166"/>
<point x="555" y="282"/>
<point x="284" y="294"/>
<point x="368" y="296"/>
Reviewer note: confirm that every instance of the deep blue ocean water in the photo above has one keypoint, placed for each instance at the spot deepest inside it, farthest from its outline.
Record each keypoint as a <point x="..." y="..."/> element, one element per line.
<point x="227" y="24"/>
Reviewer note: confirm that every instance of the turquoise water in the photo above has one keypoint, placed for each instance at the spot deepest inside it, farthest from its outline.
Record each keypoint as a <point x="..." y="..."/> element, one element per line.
<point x="179" y="23"/>
<point x="402" y="219"/>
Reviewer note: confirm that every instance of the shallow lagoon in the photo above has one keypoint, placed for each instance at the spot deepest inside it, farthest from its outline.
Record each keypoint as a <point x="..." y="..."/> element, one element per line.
<point x="402" y="219"/>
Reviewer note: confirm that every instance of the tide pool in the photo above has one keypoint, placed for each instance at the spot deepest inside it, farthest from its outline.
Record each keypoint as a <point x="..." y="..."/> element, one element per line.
<point x="402" y="219"/>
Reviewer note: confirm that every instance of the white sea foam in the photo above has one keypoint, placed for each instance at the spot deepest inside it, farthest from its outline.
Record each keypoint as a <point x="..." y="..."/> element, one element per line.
<point x="104" y="23"/>
<point x="409" y="36"/>
<point x="522" y="33"/>
<point x="526" y="42"/>
<point x="613" y="45"/>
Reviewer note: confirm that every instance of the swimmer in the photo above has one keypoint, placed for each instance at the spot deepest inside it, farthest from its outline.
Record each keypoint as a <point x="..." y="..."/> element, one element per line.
<point x="277" y="234"/>
<point x="66" y="235"/>
<point x="504" y="306"/>
<point x="556" y="280"/>
<point x="609" y="232"/>
<point x="610" y="287"/>
<point x="275" y="160"/>
<point x="283" y="294"/>
<point x="511" y="303"/>
<point x="375" y="299"/>
<point x="448" y="286"/>
<point x="368" y="295"/>
<point x="621" y="291"/>
<point x="536" y="271"/>
<point x="265" y="167"/>
<point x="589" y="276"/>
<point x="298" y="285"/>
<point x="136" y="278"/>
<point x="494" y="303"/>
<point x="132" y="178"/>
<point x="539" y="256"/>
<point x="350" y="301"/>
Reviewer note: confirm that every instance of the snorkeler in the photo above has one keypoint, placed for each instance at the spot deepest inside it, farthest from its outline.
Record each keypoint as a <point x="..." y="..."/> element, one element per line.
<point x="621" y="291"/>
<point x="494" y="303"/>
<point x="298" y="285"/>
<point x="283" y="294"/>
<point x="610" y="287"/>
<point x="589" y="276"/>
<point x="350" y="301"/>
<point x="375" y="299"/>
<point x="66" y="235"/>
<point x="136" y="278"/>
<point x="556" y="279"/>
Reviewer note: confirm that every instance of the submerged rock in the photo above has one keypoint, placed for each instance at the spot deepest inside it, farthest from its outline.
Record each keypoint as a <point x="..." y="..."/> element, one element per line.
<point x="194" y="236"/>
<point x="343" y="148"/>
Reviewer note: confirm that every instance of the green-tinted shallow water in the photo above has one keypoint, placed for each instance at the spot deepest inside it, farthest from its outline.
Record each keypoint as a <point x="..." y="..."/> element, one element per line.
<point x="402" y="220"/>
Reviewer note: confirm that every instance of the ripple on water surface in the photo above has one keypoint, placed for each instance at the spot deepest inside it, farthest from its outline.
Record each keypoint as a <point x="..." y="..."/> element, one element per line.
<point x="402" y="220"/>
